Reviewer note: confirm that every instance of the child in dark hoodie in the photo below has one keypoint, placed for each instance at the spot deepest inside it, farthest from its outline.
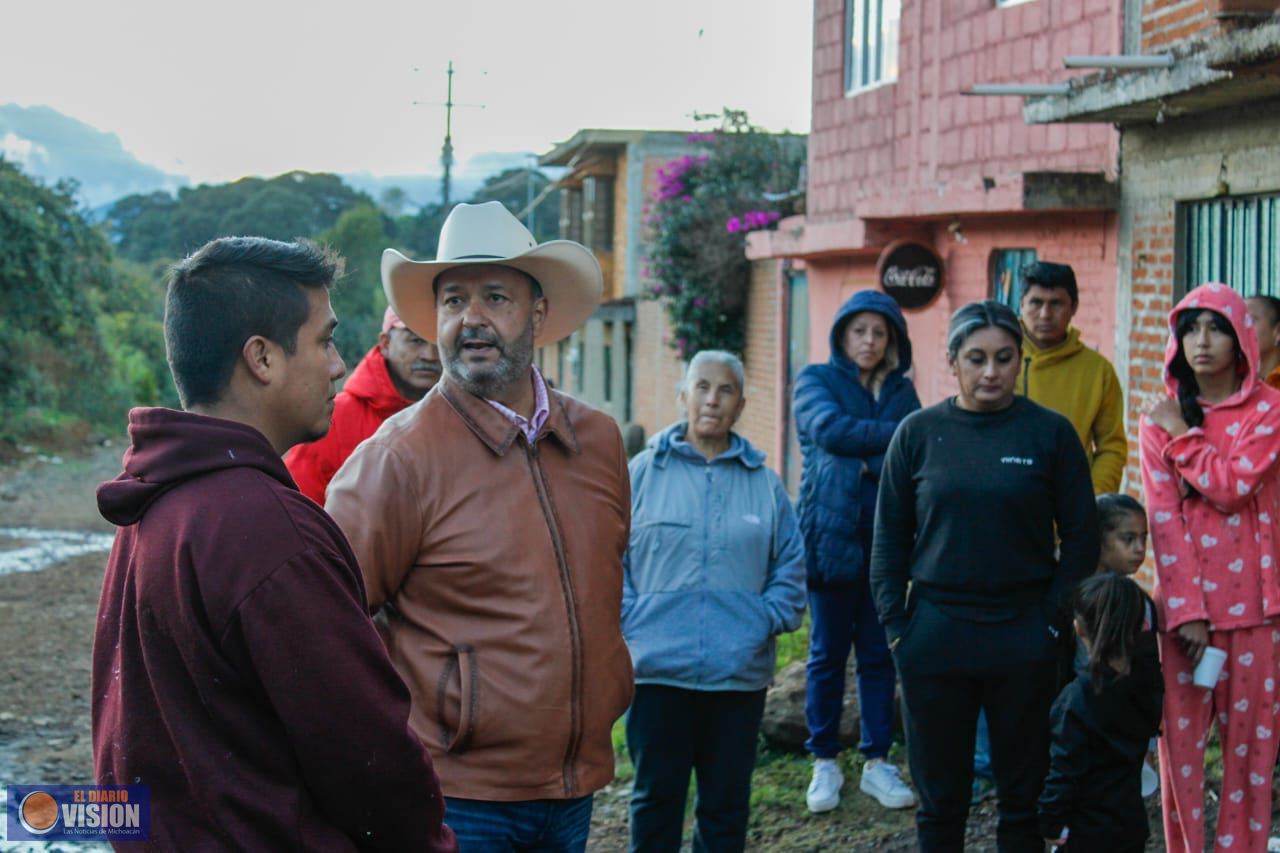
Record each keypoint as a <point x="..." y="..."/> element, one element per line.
<point x="1102" y="723"/>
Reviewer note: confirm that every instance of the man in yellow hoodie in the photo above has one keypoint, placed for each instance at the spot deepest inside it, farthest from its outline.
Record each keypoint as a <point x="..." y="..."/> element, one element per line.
<point x="1060" y="373"/>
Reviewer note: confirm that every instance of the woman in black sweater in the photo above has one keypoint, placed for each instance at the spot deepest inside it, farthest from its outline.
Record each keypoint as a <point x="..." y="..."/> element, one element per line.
<point x="970" y="582"/>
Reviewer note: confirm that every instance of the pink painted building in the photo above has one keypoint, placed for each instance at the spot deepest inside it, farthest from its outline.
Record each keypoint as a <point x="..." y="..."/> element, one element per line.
<point x="898" y="153"/>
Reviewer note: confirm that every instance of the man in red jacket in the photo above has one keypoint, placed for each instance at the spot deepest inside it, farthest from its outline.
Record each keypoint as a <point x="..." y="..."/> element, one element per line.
<point x="236" y="672"/>
<point x="397" y="372"/>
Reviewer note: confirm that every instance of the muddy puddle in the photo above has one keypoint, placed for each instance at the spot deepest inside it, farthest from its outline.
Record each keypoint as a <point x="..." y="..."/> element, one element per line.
<point x="30" y="549"/>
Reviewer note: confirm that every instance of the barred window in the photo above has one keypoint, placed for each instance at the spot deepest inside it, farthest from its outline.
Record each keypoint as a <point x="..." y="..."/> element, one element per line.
<point x="1234" y="240"/>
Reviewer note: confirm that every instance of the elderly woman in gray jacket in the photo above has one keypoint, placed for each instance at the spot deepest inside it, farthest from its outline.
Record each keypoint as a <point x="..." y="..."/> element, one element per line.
<point x="714" y="572"/>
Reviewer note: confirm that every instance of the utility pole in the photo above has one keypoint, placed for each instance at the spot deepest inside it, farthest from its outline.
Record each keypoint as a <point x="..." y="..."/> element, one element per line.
<point x="528" y="194"/>
<point x="446" y="154"/>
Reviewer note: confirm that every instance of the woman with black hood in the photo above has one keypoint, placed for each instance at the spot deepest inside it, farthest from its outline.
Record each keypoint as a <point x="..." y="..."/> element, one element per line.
<point x="846" y="413"/>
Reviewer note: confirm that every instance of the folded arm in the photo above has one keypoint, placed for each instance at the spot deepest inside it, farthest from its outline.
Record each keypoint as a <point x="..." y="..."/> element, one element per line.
<point x="1228" y="477"/>
<point x="829" y="425"/>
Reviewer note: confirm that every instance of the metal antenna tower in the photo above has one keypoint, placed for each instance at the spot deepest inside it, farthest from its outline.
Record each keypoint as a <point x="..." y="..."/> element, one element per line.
<point x="446" y="153"/>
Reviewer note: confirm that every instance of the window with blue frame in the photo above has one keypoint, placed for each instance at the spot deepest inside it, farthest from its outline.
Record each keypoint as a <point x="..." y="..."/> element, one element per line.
<point x="871" y="29"/>
<point x="1006" y="274"/>
<point x="1234" y="240"/>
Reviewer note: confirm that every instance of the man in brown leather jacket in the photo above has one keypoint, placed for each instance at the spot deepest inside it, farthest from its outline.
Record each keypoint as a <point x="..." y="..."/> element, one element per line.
<point x="489" y="521"/>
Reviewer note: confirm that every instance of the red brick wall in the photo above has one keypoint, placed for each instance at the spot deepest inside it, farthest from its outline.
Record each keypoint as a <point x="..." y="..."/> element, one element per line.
<point x="920" y="133"/>
<point x="761" y="422"/>
<point x="1167" y="24"/>
<point x="1086" y="241"/>
<point x="1152" y="298"/>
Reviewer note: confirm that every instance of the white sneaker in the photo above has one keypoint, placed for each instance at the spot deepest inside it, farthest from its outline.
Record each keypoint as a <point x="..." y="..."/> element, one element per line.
<point x="824" y="789"/>
<point x="881" y="780"/>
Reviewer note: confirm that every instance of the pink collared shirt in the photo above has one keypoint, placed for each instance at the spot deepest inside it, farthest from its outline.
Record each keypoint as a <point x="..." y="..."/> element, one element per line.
<point x="541" y="409"/>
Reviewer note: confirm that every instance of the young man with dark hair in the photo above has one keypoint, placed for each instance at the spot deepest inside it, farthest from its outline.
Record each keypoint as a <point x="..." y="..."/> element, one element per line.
<point x="1265" y="311"/>
<point x="1060" y="373"/>
<point x="235" y="670"/>
<point x="396" y="373"/>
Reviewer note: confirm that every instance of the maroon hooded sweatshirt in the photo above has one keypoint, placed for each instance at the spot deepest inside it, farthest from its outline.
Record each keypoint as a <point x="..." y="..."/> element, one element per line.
<point x="235" y="670"/>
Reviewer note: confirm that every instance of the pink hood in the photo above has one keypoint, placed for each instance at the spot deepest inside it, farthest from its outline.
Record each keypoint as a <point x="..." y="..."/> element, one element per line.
<point x="1212" y="496"/>
<point x="1222" y="299"/>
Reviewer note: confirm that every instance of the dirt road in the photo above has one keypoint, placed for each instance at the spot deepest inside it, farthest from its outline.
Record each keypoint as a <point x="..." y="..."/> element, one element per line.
<point x="46" y="626"/>
<point x="46" y="621"/>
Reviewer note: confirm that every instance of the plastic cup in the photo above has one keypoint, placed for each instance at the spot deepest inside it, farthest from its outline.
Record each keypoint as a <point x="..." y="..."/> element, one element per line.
<point x="1209" y="668"/>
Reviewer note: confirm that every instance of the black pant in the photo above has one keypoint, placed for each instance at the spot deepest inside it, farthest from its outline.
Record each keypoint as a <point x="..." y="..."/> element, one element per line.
<point x="949" y="668"/>
<point x="671" y="732"/>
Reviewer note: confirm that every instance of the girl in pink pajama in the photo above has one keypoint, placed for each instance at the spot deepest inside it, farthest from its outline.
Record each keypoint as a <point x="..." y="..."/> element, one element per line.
<point x="1209" y="460"/>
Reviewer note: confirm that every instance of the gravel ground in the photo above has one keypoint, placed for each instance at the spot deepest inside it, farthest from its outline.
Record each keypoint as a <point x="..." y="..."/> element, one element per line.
<point x="46" y="624"/>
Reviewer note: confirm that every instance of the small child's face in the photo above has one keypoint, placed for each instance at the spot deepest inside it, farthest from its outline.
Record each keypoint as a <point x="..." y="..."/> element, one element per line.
<point x="1124" y="547"/>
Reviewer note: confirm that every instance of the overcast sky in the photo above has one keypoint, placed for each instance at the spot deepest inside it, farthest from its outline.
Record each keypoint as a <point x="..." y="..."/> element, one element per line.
<point x="218" y="90"/>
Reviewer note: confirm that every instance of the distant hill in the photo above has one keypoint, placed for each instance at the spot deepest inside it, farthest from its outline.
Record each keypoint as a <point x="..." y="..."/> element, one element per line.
<point x="46" y="144"/>
<point x="420" y="190"/>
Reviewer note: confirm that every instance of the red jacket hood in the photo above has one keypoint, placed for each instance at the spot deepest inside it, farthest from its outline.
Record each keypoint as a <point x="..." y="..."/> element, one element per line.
<point x="371" y="382"/>
<point x="169" y="447"/>
<point x="1225" y="301"/>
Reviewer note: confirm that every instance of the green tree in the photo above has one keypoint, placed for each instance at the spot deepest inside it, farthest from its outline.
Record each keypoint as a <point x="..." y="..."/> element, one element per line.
<point x="131" y="322"/>
<point x="517" y="188"/>
<point x="359" y="235"/>
<point x="394" y="201"/>
<point x="55" y="271"/>
<point x="141" y="226"/>
<point x="740" y="179"/>
<point x="295" y="204"/>
<point x="419" y="235"/>
<point x="276" y="212"/>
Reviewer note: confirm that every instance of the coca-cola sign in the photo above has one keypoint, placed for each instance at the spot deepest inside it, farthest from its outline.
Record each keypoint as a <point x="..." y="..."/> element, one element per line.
<point x="911" y="274"/>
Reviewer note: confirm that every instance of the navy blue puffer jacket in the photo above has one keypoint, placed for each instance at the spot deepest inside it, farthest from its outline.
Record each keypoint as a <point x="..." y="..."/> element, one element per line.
<point x="844" y="432"/>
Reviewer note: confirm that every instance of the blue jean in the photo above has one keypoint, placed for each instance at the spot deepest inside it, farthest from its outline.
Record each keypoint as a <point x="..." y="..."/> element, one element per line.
<point x="982" y="748"/>
<point x="553" y="826"/>
<point x="844" y="617"/>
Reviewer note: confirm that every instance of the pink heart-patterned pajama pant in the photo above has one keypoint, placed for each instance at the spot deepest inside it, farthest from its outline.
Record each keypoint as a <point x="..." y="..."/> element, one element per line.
<point x="1244" y="705"/>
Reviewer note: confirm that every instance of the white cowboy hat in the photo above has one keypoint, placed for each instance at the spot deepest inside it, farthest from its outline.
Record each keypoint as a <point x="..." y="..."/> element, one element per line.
<point x="487" y="233"/>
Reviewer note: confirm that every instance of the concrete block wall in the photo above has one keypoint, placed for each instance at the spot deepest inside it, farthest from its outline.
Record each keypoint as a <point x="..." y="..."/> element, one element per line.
<point x="1186" y="160"/>
<point x="919" y="133"/>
